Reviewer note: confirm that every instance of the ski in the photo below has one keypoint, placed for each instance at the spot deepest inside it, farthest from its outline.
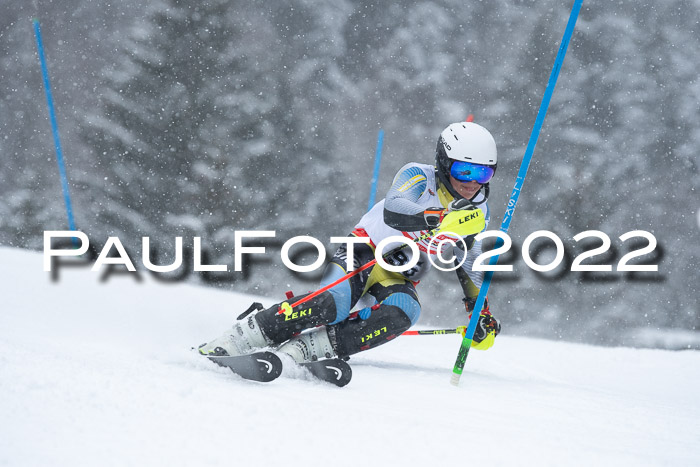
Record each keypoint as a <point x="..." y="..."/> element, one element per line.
<point x="332" y="370"/>
<point x="258" y="366"/>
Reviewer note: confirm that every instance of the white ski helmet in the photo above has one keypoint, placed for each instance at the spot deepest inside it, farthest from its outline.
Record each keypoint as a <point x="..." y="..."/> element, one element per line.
<point x="464" y="142"/>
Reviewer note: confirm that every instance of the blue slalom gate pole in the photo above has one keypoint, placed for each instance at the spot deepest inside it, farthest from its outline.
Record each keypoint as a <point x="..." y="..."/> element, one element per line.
<point x="377" y="162"/>
<point x="54" y="126"/>
<point x="520" y="179"/>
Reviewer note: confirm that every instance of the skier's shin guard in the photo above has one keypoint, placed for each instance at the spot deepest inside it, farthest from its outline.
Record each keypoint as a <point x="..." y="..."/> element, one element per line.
<point x="356" y="335"/>
<point x="280" y="325"/>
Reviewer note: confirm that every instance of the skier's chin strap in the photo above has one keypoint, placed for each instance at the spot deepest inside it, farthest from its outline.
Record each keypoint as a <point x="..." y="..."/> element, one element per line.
<point x="447" y="194"/>
<point x="487" y="191"/>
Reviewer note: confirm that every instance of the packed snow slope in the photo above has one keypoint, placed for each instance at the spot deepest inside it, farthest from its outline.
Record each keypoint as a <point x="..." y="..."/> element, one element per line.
<point x="102" y="373"/>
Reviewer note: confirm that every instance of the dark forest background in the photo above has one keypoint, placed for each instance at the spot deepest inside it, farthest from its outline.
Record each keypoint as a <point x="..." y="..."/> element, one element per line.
<point x="200" y="118"/>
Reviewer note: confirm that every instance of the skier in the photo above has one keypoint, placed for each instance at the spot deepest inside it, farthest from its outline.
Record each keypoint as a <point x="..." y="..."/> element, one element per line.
<point x="421" y="199"/>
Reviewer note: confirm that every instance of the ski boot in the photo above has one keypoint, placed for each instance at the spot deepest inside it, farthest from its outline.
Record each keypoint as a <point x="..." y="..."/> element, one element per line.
<point x="257" y="328"/>
<point x="309" y="346"/>
<point x="243" y="338"/>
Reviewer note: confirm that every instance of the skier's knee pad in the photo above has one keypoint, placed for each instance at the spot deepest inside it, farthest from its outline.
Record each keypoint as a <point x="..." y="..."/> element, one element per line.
<point x="348" y="292"/>
<point x="384" y="324"/>
<point x="280" y="323"/>
<point x="341" y="293"/>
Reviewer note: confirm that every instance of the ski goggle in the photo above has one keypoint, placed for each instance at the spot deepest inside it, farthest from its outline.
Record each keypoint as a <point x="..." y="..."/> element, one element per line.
<point x="467" y="172"/>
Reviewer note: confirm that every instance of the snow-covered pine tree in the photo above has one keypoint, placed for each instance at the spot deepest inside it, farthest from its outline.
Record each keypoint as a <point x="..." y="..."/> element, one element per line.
<point x="183" y="113"/>
<point x="313" y="92"/>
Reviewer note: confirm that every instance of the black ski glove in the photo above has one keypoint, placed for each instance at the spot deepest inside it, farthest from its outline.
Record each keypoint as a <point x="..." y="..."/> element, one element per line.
<point x="487" y="325"/>
<point x="433" y="216"/>
<point x="460" y="204"/>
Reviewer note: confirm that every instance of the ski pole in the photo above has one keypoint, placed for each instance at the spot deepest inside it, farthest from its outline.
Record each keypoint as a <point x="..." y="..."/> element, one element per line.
<point x="442" y="229"/>
<point x="435" y="332"/>
<point x="520" y="179"/>
<point x="285" y="306"/>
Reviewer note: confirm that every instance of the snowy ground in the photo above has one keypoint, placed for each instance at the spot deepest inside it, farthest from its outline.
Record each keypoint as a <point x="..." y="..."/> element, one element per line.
<point x="102" y="374"/>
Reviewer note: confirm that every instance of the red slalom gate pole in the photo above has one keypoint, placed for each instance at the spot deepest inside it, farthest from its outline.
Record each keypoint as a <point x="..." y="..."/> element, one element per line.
<point x="285" y="306"/>
<point x="435" y="332"/>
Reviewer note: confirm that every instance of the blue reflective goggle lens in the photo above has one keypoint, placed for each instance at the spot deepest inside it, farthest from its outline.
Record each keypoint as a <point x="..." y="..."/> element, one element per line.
<point x="467" y="172"/>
